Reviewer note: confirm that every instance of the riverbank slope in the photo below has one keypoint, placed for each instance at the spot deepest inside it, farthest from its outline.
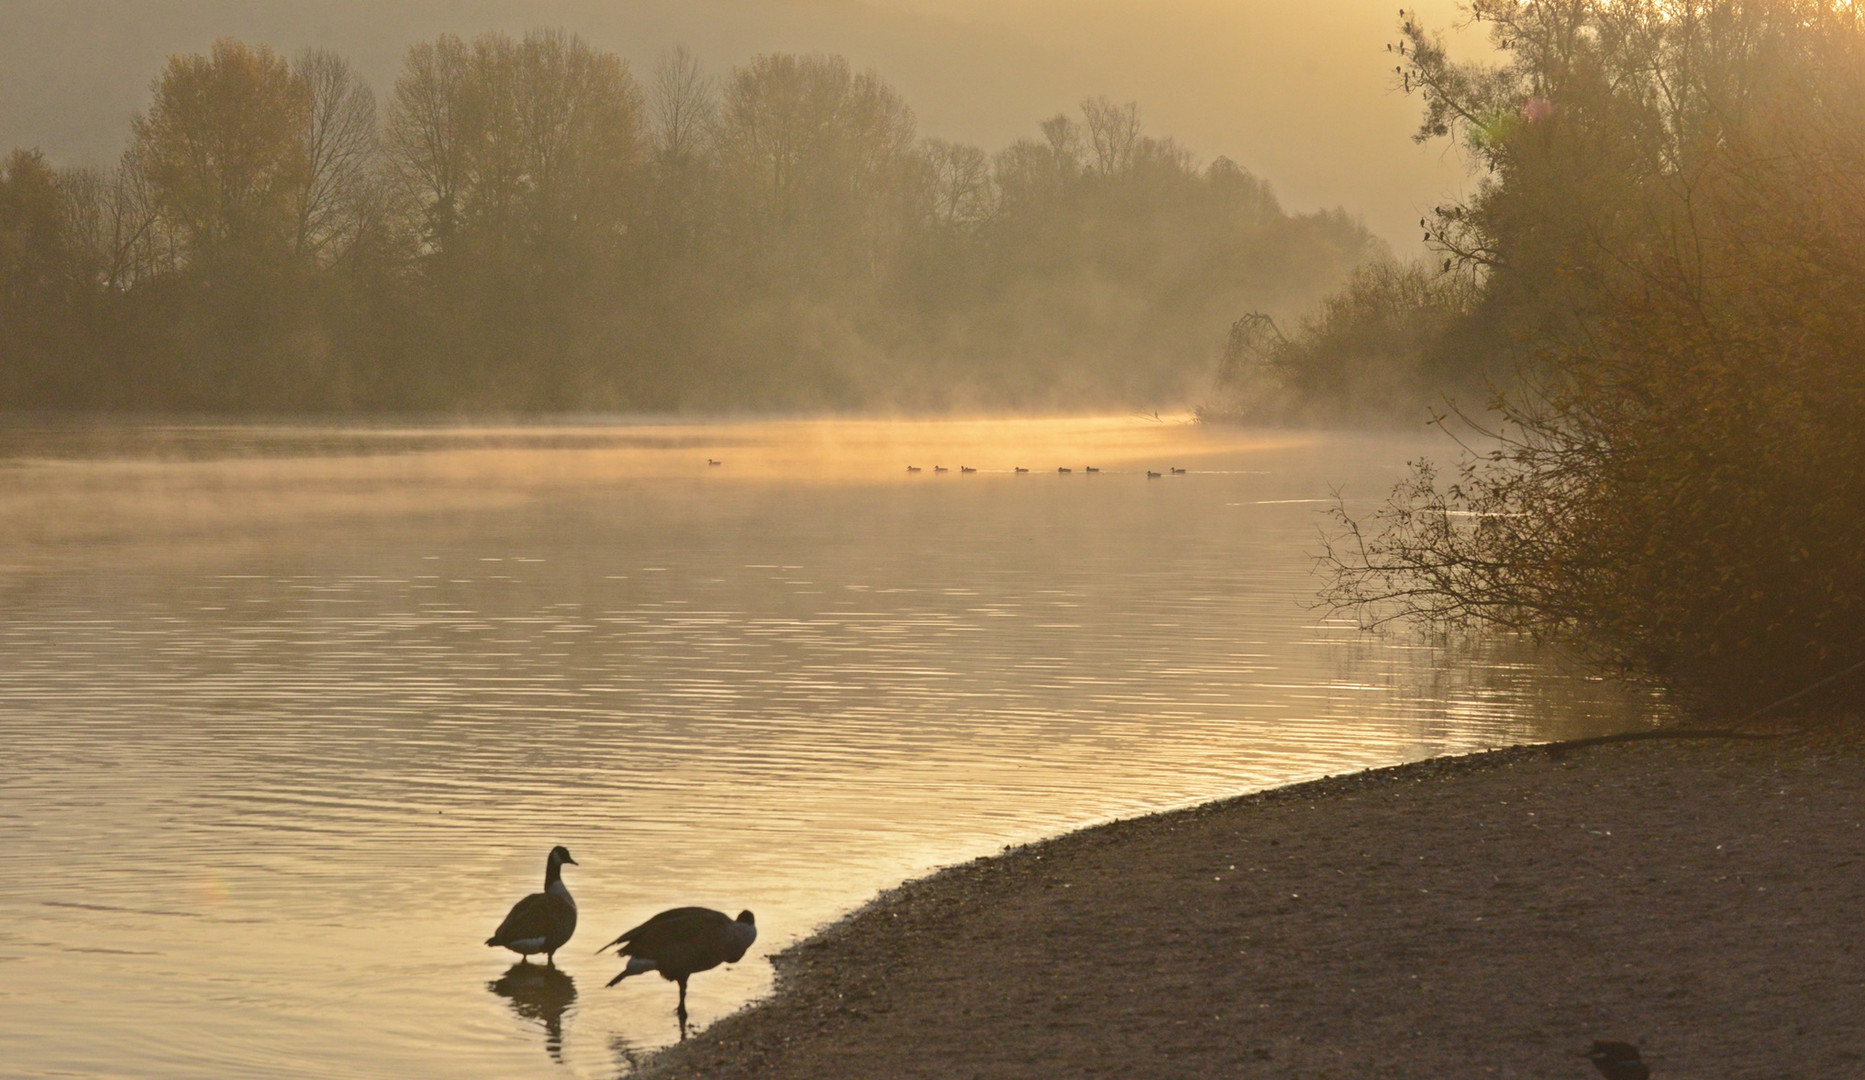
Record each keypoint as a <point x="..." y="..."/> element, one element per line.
<point x="1480" y="916"/>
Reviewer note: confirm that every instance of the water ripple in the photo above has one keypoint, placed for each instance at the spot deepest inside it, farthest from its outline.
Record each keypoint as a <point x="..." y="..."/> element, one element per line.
<point x="284" y="760"/>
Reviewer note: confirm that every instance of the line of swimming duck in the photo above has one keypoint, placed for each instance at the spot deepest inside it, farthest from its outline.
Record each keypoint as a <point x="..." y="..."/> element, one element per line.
<point x="1063" y="471"/>
<point x="677" y="943"/>
<point x="1175" y="470"/>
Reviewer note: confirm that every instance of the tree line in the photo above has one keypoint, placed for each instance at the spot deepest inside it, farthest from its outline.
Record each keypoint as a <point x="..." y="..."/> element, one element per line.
<point x="1668" y="246"/>
<point x="522" y="225"/>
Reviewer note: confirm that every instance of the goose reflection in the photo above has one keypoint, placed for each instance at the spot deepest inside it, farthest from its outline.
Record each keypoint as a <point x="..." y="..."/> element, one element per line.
<point x="540" y="993"/>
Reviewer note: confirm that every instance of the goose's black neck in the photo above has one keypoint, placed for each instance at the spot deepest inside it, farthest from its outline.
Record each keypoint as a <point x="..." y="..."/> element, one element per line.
<point x="553" y="872"/>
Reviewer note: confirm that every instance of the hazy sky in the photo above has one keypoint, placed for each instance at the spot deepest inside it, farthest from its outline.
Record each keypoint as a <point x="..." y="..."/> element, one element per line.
<point x="1298" y="91"/>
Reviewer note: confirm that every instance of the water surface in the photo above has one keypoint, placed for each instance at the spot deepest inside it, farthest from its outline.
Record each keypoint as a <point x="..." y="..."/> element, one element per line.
<point x="293" y="714"/>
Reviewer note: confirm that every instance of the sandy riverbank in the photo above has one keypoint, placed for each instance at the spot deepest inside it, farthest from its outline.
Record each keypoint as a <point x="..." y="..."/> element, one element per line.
<point x="1479" y="916"/>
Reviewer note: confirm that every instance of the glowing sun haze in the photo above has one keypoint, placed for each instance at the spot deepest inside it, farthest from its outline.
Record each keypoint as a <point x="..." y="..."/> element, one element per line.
<point x="1299" y="93"/>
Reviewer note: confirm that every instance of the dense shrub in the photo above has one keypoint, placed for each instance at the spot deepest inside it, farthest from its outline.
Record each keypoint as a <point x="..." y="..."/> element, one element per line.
<point x="1388" y="345"/>
<point x="1674" y="206"/>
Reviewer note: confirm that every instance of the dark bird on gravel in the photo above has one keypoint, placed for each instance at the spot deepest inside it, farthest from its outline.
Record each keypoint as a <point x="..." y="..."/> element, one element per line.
<point x="543" y="921"/>
<point x="683" y="941"/>
<point x="1618" y="1061"/>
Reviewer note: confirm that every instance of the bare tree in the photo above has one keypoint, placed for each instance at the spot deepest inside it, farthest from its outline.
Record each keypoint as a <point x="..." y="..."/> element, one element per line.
<point x="1113" y="134"/>
<point x="427" y="133"/>
<point x="520" y="140"/>
<point x="579" y="119"/>
<point x="683" y="103"/>
<point x="342" y="145"/>
<point x="958" y="177"/>
<point x="1064" y="138"/>
<point x="141" y="246"/>
<point x="812" y="144"/>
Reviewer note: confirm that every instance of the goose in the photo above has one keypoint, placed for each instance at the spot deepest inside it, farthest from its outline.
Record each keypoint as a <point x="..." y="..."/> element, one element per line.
<point x="682" y="941"/>
<point x="940" y="468"/>
<point x="1021" y="469"/>
<point x="913" y="468"/>
<point x="1176" y="471"/>
<point x="1091" y="469"/>
<point x="1065" y="470"/>
<point x="714" y="461"/>
<point x="966" y="469"/>
<point x="1151" y="475"/>
<point x="543" y="921"/>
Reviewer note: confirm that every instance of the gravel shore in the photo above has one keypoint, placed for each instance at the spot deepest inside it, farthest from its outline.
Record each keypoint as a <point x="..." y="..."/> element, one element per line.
<point x="1484" y="916"/>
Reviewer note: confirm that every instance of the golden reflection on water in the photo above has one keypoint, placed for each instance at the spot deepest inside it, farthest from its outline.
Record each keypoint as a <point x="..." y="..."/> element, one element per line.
<point x="295" y="713"/>
<point x="179" y="493"/>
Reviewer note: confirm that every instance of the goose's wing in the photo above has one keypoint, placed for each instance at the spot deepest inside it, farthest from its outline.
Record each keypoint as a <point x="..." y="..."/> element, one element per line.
<point x="667" y="929"/>
<point x="536" y="916"/>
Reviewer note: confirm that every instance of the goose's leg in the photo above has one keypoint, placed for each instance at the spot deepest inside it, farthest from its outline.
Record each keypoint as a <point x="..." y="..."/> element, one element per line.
<point x="681" y="1011"/>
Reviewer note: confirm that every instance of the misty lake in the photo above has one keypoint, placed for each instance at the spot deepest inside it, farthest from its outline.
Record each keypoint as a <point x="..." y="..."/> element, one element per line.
<point x="293" y="714"/>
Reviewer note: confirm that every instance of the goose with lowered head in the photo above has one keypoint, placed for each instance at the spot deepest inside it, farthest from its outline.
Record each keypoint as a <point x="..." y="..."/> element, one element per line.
<point x="682" y="941"/>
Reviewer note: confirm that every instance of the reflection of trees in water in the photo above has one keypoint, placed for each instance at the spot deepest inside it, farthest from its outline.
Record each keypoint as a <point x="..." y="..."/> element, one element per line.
<point x="1452" y="683"/>
<point x="542" y="993"/>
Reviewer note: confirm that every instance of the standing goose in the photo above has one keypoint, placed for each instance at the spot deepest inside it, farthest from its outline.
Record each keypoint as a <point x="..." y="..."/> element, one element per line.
<point x="682" y="941"/>
<point x="543" y="921"/>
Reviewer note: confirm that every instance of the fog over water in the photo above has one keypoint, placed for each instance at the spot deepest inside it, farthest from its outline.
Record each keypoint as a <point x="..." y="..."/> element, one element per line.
<point x="1300" y="94"/>
<point x="295" y="713"/>
<point x="751" y="443"/>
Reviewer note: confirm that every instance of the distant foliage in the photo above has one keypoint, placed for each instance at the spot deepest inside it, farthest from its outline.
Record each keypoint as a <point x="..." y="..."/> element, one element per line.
<point x="1380" y="349"/>
<point x="1673" y="214"/>
<point x="522" y="224"/>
